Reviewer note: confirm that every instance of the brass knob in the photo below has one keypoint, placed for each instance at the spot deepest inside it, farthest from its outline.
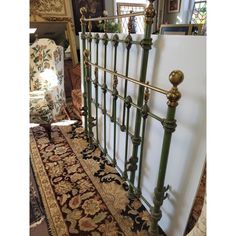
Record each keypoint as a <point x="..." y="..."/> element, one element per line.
<point x="83" y="10"/>
<point x="176" y="77"/>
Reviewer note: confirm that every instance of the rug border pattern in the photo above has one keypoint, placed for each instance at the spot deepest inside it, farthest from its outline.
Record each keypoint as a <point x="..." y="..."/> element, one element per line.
<point x="54" y="215"/>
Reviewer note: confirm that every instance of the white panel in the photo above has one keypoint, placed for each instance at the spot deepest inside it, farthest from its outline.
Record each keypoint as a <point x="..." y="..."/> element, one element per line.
<point x="188" y="145"/>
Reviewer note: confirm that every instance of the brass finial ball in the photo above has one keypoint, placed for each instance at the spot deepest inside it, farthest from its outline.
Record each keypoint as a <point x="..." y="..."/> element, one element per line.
<point x="176" y="77"/>
<point x="83" y="10"/>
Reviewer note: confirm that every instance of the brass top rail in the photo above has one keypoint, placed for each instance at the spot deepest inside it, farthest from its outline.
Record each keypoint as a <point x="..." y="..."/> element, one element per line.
<point x="159" y="90"/>
<point x="141" y="13"/>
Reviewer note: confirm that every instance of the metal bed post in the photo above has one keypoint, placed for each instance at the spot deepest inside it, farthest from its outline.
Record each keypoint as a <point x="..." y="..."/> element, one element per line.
<point x="169" y="125"/>
<point x="83" y="38"/>
<point x="136" y="139"/>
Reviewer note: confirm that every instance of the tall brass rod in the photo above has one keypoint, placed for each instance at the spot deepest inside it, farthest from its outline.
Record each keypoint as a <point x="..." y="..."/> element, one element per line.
<point x="141" y="13"/>
<point x="134" y="105"/>
<point x="156" y="89"/>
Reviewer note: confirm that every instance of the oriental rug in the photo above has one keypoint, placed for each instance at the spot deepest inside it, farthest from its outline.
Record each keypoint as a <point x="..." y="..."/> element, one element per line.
<point x="81" y="192"/>
<point x="36" y="211"/>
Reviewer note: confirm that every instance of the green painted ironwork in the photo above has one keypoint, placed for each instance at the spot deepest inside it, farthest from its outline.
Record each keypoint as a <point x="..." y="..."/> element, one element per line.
<point x="128" y="43"/>
<point x="115" y="44"/>
<point x="110" y="116"/>
<point x="128" y="101"/>
<point x="144" y="113"/>
<point x="95" y="82"/>
<point x="141" y="106"/>
<point x="104" y="89"/>
<point x="83" y="39"/>
<point x="89" y="90"/>
<point x="146" y="44"/>
<point x="119" y="40"/>
<point x="169" y="125"/>
<point x="114" y="94"/>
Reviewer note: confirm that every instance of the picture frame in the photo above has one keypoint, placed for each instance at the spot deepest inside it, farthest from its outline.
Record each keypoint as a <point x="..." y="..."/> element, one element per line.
<point x="94" y="8"/>
<point x="173" y="6"/>
<point x="181" y="29"/>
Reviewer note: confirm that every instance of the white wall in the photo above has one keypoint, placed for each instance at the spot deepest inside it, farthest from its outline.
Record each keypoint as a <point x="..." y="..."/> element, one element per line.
<point x="188" y="145"/>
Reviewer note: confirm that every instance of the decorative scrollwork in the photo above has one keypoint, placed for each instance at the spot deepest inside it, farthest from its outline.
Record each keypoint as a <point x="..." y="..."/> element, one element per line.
<point x="115" y="40"/>
<point x="97" y="38"/>
<point x="47" y="6"/>
<point x="105" y="39"/>
<point x="128" y="41"/>
<point x="86" y="54"/>
<point x="149" y="13"/>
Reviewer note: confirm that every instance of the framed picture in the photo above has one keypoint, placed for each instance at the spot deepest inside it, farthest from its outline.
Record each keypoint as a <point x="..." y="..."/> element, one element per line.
<point x="94" y="9"/>
<point x="181" y="29"/>
<point x="173" y="6"/>
<point x="174" y="29"/>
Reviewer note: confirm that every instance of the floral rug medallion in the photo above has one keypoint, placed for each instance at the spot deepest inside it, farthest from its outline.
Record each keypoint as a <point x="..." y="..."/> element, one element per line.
<point x="82" y="193"/>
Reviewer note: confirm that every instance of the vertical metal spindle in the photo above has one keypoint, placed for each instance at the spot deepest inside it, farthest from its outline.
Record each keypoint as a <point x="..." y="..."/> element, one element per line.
<point x="104" y="86"/>
<point x="115" y="96"/>
<point x="128" y="43"/>
<point x="89" y="97"/>
<point x="169" y="125"/>
<point x="90" y="44"/>
<point x="96" y="85"/>
<point x="115" y="44"/>
<point x="144" y="112"/>
<point x="128" y="101"/>
<point x="146" y="45"/>
<point x="83" y="38"/>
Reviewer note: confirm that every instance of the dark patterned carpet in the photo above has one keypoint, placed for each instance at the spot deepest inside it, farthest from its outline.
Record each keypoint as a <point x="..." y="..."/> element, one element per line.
<point x="76" y="202"/>
<point x="82" y="193"/>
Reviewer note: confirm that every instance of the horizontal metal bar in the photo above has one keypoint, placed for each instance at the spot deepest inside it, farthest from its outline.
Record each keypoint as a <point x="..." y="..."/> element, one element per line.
<point x="109" y="115"/>
<point x="156" y="89"/>
<point x="141" y="13"/>
<point x="121" y="173"/>
<point x="110" y="39"/>
<point x="133" y="104"/>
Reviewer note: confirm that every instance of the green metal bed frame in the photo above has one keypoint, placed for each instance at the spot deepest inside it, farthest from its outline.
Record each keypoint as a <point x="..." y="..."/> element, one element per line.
<point x="142" y="108"/>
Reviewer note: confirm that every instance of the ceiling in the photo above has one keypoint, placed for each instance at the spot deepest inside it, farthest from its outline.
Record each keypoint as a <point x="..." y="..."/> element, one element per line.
<point x="52" y="30"/>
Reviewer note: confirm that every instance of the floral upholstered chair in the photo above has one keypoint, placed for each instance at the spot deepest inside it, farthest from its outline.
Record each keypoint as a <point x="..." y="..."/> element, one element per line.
<point x="47" y="95"/>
